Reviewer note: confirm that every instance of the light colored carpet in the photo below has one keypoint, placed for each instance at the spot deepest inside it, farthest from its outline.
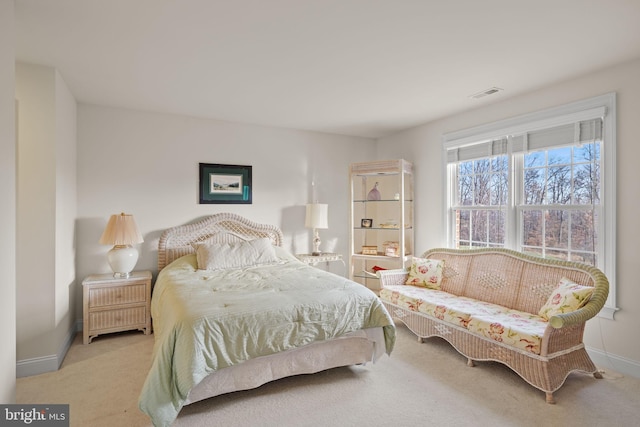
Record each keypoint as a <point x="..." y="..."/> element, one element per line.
<point x="420" y="384"/>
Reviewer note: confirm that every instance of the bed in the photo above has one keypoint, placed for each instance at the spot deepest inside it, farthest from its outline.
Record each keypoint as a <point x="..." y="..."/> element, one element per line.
<point x="233" y="310"/>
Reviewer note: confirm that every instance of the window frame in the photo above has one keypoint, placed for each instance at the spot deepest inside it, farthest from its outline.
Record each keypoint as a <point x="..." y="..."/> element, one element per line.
<point x="603" y="106"/>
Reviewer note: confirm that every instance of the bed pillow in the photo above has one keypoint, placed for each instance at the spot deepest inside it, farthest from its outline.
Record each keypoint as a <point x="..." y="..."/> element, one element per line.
<point x="218" y="256"/>
<point x="426" y="273"/>
<point x="283" y="255"/>
<point x="567" y="297"/>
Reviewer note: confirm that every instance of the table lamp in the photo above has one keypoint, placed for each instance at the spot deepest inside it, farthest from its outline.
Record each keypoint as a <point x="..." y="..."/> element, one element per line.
<point x="122" y="232"/>
<point x="316" y="218"/>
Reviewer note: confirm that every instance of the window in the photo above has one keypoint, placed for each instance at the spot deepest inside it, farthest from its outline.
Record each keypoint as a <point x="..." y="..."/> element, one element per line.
<point x="481" y="202"/>
<point x="560" y="202"/>
<point x="543" y="183"/>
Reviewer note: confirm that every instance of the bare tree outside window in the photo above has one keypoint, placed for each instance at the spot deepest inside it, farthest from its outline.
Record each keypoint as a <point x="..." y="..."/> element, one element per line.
<point x="483" y="187"/>
<point x="557" y="213"/>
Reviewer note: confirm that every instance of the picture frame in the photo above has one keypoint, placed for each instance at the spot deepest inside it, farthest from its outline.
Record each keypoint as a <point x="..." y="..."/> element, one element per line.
<point x="366" y="223"/>
<point x="225" y="184"/>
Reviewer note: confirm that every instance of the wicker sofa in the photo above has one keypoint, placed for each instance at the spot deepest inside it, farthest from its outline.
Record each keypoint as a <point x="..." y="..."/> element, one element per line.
<point x="488" y="308"/>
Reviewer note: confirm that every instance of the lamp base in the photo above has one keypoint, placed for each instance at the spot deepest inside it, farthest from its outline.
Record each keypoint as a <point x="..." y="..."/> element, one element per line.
<point x="122" y="259"/>
<point x="316" y="243"/>
<point x="121" y="275"/>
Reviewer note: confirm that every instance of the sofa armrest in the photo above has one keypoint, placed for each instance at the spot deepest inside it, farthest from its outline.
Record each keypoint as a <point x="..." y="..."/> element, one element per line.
<point x="392" y="277"/>
<point x="581" y="315"/>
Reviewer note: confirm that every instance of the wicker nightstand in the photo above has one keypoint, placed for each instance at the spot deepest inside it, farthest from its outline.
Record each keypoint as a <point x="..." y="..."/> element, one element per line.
<point x="116" y="304"/>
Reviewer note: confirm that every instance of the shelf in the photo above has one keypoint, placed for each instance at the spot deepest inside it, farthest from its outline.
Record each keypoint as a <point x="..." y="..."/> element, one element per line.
<point x="382" y="228"/>
<point x="380" y="257"/>
<point x="385" y="200"/>
<point x="381" y="168"/>
<point x="363" y="275"/>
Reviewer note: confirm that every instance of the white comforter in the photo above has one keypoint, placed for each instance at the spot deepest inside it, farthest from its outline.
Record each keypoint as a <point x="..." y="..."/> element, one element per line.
<point x="208" y="320"/>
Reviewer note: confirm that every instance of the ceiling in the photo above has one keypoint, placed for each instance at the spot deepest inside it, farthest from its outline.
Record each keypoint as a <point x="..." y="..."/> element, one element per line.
<point x="367" y="68"/>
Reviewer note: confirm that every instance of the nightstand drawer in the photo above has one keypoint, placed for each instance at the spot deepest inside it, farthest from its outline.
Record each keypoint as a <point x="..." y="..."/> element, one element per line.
<point x="101" y="297"/>
<point x="117" y="318"/>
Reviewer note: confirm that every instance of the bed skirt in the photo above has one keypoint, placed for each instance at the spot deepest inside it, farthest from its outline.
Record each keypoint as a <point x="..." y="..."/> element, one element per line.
<point x="357" y="347"/>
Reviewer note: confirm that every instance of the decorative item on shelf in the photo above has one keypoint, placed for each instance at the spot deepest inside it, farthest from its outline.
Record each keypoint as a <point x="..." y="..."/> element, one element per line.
<point x="123" y="233"/>
<point x="369" y="250"/>
<point x="391" y="248"/>
<point x="390" y="223"/>
<point x="366" y="223"/>
<point x="317" y="216"/>
<point x="374" y="194"/>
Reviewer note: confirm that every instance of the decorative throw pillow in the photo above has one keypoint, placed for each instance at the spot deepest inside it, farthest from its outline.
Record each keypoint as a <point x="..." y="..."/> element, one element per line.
<point x="426" y="273"/>
<point x="567" y="297"/>
<point x="218" y="256"/>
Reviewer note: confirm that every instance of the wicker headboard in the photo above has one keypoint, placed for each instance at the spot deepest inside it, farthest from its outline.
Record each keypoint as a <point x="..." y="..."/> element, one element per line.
<point x="224" y="227"/>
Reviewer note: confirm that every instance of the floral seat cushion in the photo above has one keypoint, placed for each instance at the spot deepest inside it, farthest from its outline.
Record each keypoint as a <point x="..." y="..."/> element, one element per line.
<point x="512" y="327"/>
<point x="516" y="328"/>
<point x="439" y="304"/>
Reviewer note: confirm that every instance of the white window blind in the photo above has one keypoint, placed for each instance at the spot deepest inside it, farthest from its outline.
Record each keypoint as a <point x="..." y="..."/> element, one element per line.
<point x="558" y="136"/>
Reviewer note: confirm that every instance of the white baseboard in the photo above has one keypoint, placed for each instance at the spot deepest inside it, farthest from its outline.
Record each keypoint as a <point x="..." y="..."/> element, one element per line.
<point x="604" y="360"/>
<point x="36" y="366"/>
<point x="40" y="365"/>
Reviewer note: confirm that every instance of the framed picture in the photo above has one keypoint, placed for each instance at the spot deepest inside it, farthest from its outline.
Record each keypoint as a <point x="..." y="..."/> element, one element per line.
<point x="225" y="183"/>
<point x="366" y="223"/>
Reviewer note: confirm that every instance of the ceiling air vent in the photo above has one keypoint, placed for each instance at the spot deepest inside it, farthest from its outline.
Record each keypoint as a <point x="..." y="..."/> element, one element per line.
<point x="485" y="92"/>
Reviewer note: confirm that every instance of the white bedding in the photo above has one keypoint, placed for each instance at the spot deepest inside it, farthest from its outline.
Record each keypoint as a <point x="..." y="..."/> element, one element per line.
<point x="208" y="321"/>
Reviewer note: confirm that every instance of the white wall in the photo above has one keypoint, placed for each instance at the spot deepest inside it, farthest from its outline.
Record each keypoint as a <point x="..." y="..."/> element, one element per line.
<point x="611" y="343"/>
<point x="8" y="205"/>
<point x="46" y="218"/>
<point x="146" y="164"/>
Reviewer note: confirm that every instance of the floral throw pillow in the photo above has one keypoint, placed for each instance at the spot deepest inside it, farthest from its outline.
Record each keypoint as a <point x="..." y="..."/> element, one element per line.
<point x="426" y="273"/>
<point x="567" y="297"/>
